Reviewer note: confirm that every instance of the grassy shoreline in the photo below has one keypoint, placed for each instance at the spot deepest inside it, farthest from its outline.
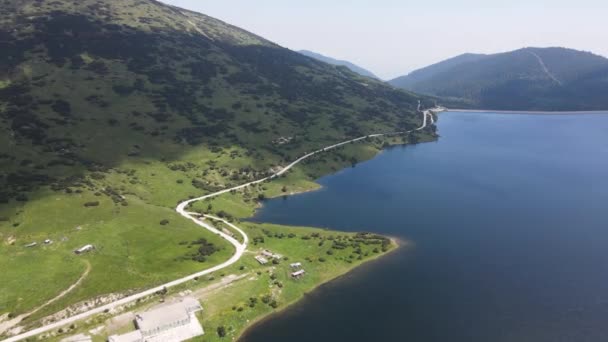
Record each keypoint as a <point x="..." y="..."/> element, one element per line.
<point x="260" y="320"/>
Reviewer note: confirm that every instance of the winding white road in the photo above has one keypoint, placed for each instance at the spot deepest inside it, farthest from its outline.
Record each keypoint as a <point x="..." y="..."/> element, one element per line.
<point x="240" y="247"/>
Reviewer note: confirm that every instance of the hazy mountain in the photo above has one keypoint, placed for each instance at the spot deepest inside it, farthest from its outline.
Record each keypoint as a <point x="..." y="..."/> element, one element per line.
<point x="428" y="72"/>
<point x="359" y="70"/>
<point x="525" y="79"/>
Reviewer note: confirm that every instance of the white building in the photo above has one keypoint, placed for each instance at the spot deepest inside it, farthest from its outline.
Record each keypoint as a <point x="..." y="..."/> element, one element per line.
<point x="174" y="322"/>
<point x="261" y="259"/>
<point x="271" y="255"/>
<point x="298" y="274"/>
<point x="133" y="336"/>
<point x="84" y="249"/>
<point x="77" y="338"/>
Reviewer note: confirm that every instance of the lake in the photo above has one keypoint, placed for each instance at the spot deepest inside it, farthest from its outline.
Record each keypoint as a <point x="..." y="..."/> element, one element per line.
<point x="508" y="221"/>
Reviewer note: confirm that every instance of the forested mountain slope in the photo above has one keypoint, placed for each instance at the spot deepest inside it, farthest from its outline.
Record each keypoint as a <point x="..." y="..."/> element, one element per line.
<point x="525" y="79"/>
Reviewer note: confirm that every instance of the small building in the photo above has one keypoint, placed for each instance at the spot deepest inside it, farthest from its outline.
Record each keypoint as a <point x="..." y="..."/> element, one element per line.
<point x="30" y="245"/>
<point x="261" y="259"/>
<point x="166" y="323"/>
<point x="133" y="336"/>
<point x="298" y="274"/>
<point x="271" y="255"/>
<point x="77" y="338"/>
<point x="84" y="249"/>
<point x="48" y="241"/>
<point x="296" y="265"/>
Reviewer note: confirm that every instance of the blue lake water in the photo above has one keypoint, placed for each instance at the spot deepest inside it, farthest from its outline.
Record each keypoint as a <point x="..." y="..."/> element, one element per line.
<point x="508" y="217"/>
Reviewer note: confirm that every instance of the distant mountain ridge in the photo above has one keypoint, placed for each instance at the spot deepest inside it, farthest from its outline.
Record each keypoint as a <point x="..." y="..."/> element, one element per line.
<point x="353" y="67"/>
<point x="524" y="79"/>
<point x="424" y="73"/>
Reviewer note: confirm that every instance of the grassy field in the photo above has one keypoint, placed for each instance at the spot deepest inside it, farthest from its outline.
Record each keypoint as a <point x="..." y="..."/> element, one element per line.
<point x="260" y="290"/>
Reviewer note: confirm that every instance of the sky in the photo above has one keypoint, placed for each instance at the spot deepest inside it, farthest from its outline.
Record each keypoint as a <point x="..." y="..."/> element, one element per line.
<point x="394" y="37"/>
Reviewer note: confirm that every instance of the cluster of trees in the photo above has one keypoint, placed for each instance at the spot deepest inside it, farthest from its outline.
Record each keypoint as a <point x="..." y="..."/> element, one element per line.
<point x="203" y="250"/>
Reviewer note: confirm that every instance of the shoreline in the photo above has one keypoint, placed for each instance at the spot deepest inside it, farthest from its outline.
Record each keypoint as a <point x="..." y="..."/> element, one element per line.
<point x="524" y="112"/>
<point x="397" y="244"/>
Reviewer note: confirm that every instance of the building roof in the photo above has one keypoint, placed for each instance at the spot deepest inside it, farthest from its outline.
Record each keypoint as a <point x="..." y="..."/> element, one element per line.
<point x="167" y="314"/>
<point x="261" y="259"/>
<point x="191" y="304"/>
<point x="85" y="248"/>
<point x="77" y="338"/>
<point x="133" y="336"/>
<point x="297" y="273"/>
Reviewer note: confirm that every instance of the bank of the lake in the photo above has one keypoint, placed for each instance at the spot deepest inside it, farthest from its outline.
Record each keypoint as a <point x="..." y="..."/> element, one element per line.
<point x="330" y="277"/>
<point x="507" y="216"/>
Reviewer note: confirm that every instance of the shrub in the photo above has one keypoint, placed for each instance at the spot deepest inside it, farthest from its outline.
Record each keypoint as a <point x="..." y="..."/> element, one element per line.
<point x="221" y="331"/>
<point x="92" y="204"/>
<point x="164" y="222"/>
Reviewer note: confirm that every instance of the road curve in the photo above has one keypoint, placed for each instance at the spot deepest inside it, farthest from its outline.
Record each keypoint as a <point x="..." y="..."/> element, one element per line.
<point x="240" y="248"/>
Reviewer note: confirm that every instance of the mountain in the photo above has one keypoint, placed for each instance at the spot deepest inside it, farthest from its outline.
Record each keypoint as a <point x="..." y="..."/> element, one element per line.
<point x="77" y="73"/>
<point x="355" y="68"/>
<point x="426" y="73"/>
<point x="525" y="79"/>
<point x="111" y="112"/>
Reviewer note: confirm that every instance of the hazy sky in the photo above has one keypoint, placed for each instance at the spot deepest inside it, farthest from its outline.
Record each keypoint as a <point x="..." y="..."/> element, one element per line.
<point x="394" y="37"/>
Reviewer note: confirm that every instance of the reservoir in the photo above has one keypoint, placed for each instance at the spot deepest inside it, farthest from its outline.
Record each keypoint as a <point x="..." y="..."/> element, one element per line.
<point x="507" y="219"/>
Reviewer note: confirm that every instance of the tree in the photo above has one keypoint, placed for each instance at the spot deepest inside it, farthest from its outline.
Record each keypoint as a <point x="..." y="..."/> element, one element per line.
<point x="221" y="331"/>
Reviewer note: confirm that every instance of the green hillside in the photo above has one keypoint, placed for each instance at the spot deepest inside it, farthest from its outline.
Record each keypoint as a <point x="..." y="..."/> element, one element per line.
<point x="525" y="79"/>
<point x="111" y="112"/>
